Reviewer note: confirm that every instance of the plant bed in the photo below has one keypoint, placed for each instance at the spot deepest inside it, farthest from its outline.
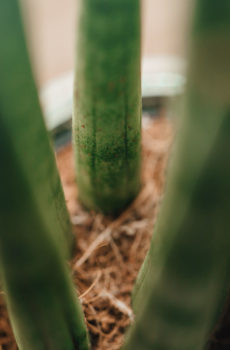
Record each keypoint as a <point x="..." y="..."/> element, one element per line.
<point x="110" y="252"/>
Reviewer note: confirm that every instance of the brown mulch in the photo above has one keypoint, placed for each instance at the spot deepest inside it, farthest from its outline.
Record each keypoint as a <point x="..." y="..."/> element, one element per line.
<point x="110" y="252"/>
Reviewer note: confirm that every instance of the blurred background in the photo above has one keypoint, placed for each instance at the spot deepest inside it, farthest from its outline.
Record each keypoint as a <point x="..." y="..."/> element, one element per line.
<point x="51" y="29"/>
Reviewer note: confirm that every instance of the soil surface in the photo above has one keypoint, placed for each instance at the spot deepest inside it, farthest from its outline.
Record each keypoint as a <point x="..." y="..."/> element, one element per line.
<point x="110" y="252"/>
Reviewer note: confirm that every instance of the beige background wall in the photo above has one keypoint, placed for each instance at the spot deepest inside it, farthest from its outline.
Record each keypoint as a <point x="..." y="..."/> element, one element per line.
<point x="51" y="26"/>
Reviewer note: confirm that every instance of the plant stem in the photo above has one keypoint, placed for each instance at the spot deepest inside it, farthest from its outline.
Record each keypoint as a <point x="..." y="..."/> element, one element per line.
<point x="107" y="104"/>
<point x="185" y="276"/>
<point x="43" y="306"/>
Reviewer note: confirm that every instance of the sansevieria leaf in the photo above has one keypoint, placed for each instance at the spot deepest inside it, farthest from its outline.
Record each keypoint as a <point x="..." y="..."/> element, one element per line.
<point x="107" y="104"/>
<point x="34" y="225"/>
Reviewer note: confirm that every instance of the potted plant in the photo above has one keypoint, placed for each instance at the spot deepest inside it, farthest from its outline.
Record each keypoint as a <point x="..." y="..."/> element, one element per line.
<point x="184" y="279"/>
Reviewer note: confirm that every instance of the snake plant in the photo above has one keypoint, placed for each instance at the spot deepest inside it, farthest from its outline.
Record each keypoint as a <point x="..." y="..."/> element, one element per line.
<point x="107" y="104"/>
<point x="44" y="311"/>
<point x="185" y="276"/>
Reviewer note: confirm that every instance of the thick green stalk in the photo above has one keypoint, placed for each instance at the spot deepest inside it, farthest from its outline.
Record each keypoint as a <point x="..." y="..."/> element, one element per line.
<point x="43" y="307"/>
<point x="42" y="304"/>
<point x="185" y="276"/>
<point x="107" y="104"/>
<point x="23" y="120"/>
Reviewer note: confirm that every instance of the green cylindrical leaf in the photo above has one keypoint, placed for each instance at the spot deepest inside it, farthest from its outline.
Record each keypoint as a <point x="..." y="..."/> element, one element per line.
<point x="43" y="307"/>
<point x="44" y="310"/>
<point x="186" y="273"/>
<point x="107" y="104"/>
<point x="22" y="119"/>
